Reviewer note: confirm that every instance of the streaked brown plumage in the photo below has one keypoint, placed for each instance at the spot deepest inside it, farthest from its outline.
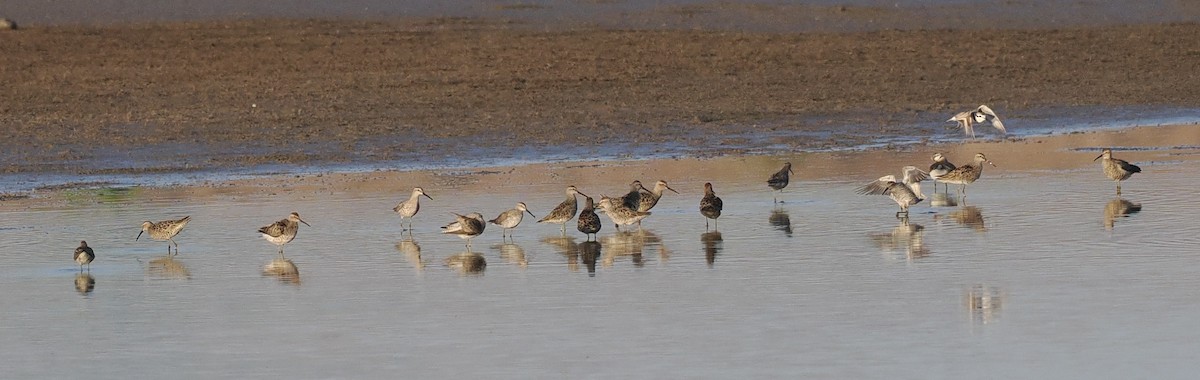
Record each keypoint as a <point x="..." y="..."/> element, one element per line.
<point x="779" y="180"/>
<point x="710" y="205"/>
<point x="283" y="231"/>
<point x="589" y="222"/>
<point x="466" y="227"/>
<point x="620" y="214"/>
<point x="650" y="198"/>
<point x="1115" y="169"/>
<point x="966" y="174"/>
<point x="164" y="231"/>
<point x="565" y="211"/>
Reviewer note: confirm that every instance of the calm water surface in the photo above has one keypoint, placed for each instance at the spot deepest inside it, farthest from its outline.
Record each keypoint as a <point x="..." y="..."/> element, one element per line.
<point x="1035" y="275"/>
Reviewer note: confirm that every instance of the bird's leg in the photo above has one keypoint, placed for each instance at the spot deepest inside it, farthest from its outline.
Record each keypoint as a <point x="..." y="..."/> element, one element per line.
<point x="1118" y="188"/>
<point x="706" y="224"/>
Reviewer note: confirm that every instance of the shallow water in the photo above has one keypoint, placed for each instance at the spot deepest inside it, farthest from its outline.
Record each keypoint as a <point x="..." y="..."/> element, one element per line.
<point x="1034" y="275"/>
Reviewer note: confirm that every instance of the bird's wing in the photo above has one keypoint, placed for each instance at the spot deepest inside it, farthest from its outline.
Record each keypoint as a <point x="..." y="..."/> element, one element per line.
<point x="995" y="119"/>
<point x="913" y="175"/>
<point x="882" y="186"/>
<point x="1126" y="166"/>
<point x="274" y="229"/>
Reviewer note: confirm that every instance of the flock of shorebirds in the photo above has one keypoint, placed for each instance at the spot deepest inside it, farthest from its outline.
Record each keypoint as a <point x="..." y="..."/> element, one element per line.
<point x="635" y="205"/>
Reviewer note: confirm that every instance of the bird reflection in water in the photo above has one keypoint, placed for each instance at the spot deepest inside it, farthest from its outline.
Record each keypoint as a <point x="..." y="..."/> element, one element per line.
<point x="942" y="200"/>
<point x="512" y="254"/>
<point x="632" y="244"/>
<point x="565" y="245"/>
<point x="781" y="221"/>
<point x="1119" y="208"/>
<point x="909" y="236"/>
<point x="589" y="251"/>
<point x="984" y="303"/>
<point x="712" y="246"/>
<point x="283" y="268"/>
<point x="467" y="263"/>
<point x="167" y="267"/>
<point x="412" y="252"/>
<point x="84" y="283"/>
<point x="967" y="216"/>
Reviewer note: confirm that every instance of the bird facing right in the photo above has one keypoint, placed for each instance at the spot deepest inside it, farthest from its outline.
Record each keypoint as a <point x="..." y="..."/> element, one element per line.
<point x="511" y="218"/>
<point x="565" y="211"/>
<point x="779" y="180"/>
<point x="1116" y="169"/>
<point x="966" y="174"/>
<point x="710" y="205"/>
<point x="978" y="115"/>
<point x="84" y="256"/>
<point x="409" y="208"/>
<point x="283" y="231"/>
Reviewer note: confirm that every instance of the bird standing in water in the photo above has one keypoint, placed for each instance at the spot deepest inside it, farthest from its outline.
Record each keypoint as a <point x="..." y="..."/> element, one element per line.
<point x="1116" y="169"/>
<point x="779" y="180"/>
<point x="164" y="230"/>
<point x="710" y="205"/>
<point x="283" y="231"/>
<point x="588" y="222"/>
<point x="939" y="168"/>
<point x="84" y="256"/>
<point x="906" y="193"/>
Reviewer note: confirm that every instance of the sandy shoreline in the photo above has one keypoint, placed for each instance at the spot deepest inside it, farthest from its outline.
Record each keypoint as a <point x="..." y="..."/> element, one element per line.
<point x="1146" y="146"/>
<point x="179" y="97"/>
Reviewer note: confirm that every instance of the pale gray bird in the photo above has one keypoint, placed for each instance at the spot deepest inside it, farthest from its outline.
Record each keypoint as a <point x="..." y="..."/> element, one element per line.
<point x="511" y="218"/>
<point x="967" y="119"/>
<point x="906" y="192"/>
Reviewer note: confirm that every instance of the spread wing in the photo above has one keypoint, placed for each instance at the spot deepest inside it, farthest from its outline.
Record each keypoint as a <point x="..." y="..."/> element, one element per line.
<point x="913" y="175"/>
<point x="995" y="119"/>
<point x="882" y="186"/>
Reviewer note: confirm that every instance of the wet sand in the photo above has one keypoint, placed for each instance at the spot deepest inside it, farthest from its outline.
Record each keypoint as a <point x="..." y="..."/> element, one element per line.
<point x="180" y="97"/>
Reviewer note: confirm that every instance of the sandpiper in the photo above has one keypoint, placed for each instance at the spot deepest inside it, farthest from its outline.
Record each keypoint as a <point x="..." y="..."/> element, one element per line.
<point x="84" y="256"/>
<point x="619" y="213"/>
<point x="633" y="199"/>
<point x="511" y="218"/>
<point x="966" y="119"/>
<point x="164" y="231"/>
<point x="779" y="180"/>
<point x="408" y="208"/>
<point x="650" y="198"/>
<point x="710" y="205"/>
<point x="564" y="211"/>
<point x="905" y="193"/>
<point x="589" y="222"/>
<point x="939" y="168"/>
<point x="1116" y="169"/>
<point x="466" y="227"/>
<point x="283" y="231"/>
<point x="966" y="174"/>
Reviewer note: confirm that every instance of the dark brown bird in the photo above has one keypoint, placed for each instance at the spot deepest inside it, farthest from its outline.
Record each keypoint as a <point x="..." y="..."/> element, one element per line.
<point x="84" y="256"/>
<point x="779" y="180"/>
<point x="710" y="205"/>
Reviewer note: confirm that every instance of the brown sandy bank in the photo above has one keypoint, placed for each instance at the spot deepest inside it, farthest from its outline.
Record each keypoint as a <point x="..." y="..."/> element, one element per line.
<point x="182" y="96"/>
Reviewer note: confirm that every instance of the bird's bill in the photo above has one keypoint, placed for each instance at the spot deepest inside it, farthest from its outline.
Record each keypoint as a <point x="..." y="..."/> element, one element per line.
<point x="1097" y="157"/>
<point x="991" y="163"/>
<point x="530" y="213"/>
<point x="139" y="235"/>
<point x="584" y="195"/>
<point x="427" y="196"/>
<point x="305" y="223"/>
<point x="673" y="190"/>
<point x="790" y="171"/>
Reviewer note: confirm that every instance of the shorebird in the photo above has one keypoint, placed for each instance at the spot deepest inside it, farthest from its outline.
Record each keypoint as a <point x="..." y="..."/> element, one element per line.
<point x="1116" y="169"/>
<point x="283" y="231"/>
<point x="589" y="222"/>
<point x="966" y="119"/>
<point x="779" y="180"/>
<point x="511" y="218"/>
<point x="905" y="193"/>
<point x="619" y="213"/>
<point x="84" y="256"/>
<point x="633" y="199"/>
<point x="966" y="174"/>
<point x="408" y="209"/>
<point x="710" y="205"/>
<point x="939" y="168"/>
<point x="164" y="230"/>
<point x="650" y="198"/>
<point x="564" y="211"/>
<point x="466" y="227"/>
